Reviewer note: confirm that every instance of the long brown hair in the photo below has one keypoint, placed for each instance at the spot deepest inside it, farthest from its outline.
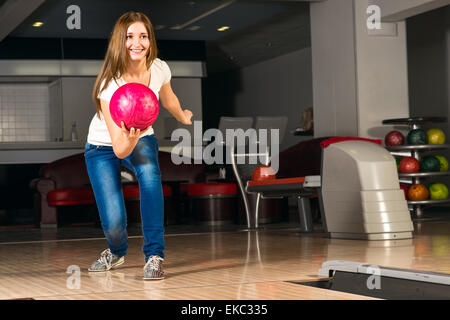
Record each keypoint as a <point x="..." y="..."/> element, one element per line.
<point x="116" y="58"/>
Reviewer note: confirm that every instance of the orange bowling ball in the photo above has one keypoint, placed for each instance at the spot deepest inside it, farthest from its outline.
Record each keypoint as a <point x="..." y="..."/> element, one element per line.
<point x="263" y="173"/>
<point x="418" y="192"/>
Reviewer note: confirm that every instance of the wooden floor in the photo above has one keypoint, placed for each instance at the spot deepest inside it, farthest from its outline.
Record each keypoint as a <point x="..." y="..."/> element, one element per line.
<point x="220" y="265"/>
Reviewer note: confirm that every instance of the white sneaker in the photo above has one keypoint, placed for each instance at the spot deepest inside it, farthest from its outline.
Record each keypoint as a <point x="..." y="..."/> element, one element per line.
<point x="106" y="262"/>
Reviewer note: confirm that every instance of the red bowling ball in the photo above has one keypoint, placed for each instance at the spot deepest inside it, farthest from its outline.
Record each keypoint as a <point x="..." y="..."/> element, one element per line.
<point x="134" y="104"/>
<point x="394" y="138"/>
<point x="405" y="190"/>
<point x="409" y="165"/>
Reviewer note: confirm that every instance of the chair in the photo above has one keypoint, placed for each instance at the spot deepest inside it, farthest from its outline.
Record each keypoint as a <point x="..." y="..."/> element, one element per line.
<point x="235" y="123"/>
<point x="244" y="123"/>
<point x="247" y="155"/>
<point x="299" y="165"/>
<point x="268" y="123"/>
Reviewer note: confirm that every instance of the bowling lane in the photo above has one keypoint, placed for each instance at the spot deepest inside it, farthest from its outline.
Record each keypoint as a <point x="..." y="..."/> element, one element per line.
<point x="228" y="265"/>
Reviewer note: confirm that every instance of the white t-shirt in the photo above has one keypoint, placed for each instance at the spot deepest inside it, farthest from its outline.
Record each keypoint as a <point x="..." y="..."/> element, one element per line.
<point x="98" y="131"/>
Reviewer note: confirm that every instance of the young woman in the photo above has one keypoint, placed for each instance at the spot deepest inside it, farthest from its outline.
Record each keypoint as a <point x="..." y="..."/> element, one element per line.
<point x="131" y="57"/>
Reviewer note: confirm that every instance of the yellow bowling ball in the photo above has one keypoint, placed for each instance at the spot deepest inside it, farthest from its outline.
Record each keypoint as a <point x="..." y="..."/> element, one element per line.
<point x="436" y="136"/>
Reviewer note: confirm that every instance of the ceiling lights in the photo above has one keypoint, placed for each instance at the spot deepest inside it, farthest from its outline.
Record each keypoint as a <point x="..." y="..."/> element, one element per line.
<point x="223" y="28"/>
<point x="38" y="24"/>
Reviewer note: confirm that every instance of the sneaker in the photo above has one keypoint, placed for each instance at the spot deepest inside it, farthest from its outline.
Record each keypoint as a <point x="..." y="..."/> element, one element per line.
<point x="153" y="268"/>
<point x="106" y="262"/>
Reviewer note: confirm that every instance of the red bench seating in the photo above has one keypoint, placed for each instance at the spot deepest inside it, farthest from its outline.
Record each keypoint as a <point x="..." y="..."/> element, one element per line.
<point x="78" y="196"/>
<point x="65" y="182"/>
<point x="213" y="203"/>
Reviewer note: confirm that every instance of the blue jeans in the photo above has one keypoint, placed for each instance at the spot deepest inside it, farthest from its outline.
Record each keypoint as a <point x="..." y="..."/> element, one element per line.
<point x="103" y="168"/>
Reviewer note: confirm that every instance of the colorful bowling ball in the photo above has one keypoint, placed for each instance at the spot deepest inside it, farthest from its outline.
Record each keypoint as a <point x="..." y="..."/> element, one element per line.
<point x="394" y="138"/>
<point x="430" y="164"/>
<point x="405" y="190"/>
<point x="444" y="163"/>
<point x="134" y="104"/>
<point x="438" y="191"/>
<point x="417" y="137"/>
<point x="263" y="173"/>
<point x="435" y="136"/>
<point x="409" y="165"/>
<point x="418" y="192"/>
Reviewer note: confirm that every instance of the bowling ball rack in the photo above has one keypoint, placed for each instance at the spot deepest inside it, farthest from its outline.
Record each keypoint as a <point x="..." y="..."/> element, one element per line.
<point x="417" y="207"/>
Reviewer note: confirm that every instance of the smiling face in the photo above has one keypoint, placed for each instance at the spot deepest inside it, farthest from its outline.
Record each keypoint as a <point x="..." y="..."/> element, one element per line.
<point x="138" y="42"/>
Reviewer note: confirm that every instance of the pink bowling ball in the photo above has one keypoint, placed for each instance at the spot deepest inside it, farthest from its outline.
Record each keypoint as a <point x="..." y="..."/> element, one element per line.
<point x="134" y="104"/>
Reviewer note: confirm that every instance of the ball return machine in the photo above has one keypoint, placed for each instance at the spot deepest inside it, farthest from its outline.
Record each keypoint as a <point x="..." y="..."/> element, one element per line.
<point x="358" y="190"/>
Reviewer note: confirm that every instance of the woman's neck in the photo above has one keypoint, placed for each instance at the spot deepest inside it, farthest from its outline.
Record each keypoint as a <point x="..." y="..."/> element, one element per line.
<point x="136" y="69"/>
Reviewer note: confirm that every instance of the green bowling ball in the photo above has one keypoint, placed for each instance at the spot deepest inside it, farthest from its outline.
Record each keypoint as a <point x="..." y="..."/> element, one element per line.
<point x="438" y="191"/>
<point x="430" y="164"/>
<point x="417" y="137"/>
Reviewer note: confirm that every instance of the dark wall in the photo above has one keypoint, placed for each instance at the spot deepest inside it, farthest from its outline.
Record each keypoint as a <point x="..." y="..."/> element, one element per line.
<point x="427" y="63"/>
<point x="220" y="90"/>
